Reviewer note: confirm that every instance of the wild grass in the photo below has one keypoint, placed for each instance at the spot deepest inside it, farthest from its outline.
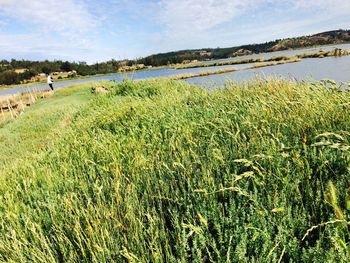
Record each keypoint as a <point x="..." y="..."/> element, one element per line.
<point x="161" y="171"/>
<point x="12" y="106"/>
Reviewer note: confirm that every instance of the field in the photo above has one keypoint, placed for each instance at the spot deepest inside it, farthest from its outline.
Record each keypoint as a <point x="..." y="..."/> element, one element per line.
<point x="162" y="171"/>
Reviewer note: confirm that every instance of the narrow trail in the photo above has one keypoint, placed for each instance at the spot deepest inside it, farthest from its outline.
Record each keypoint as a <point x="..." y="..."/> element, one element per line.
<point x="40" y="125"/>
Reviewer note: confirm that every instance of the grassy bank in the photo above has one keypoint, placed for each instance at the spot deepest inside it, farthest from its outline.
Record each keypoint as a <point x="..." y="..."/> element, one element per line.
<point x="161" y="171"/>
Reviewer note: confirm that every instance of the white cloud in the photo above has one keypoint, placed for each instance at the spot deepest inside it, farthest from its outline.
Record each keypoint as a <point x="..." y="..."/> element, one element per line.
<point x="77" y="28"/>
<point x="2" y="24"/>
<point x="16" y="45"/>
<point x="188" y="16"/>
<point x="340" y="5"/>
<point x="199" y="23"/>
<point x="64" y="16"/>
<point x="51" y="29"/>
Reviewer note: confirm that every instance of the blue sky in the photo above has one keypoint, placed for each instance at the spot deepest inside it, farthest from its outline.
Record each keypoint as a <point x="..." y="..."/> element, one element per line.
<point x="92" y="30"/>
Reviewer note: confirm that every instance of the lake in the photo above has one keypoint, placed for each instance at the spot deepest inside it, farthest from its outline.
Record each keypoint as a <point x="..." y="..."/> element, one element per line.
<point x="335" y="68"/>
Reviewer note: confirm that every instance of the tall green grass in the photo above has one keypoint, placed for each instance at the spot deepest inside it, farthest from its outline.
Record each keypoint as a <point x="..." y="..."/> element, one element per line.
<point x="161" y="171"/>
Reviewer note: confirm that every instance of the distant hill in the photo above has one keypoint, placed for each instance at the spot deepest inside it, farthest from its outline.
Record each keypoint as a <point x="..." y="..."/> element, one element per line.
<point x="330" y="37"/>
<point x="325" y="38"/>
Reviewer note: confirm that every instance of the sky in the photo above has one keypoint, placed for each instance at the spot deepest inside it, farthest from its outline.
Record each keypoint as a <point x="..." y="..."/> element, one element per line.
<point x="94" y="31"/>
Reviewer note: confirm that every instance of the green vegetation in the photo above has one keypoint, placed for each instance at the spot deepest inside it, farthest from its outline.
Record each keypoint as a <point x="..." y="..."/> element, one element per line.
<point x="8" y="75"/>
<point x="161" y="171"/>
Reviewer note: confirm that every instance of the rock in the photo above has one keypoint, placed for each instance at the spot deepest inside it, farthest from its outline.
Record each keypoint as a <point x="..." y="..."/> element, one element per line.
<point x="99" y="89"/>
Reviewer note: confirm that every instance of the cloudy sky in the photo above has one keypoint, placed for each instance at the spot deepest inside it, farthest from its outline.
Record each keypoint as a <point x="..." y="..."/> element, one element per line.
<point x="93" y="30"/>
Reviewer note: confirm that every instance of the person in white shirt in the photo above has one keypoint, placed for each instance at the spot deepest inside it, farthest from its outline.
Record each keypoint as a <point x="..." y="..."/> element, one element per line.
<point x="49" y="81"/>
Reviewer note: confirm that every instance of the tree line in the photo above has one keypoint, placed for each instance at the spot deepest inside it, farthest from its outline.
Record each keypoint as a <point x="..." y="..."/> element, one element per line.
<point x="9" y="76"/>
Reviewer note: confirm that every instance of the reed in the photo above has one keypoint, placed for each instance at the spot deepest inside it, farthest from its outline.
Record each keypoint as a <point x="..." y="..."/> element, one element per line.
<point x="162" y="171"/>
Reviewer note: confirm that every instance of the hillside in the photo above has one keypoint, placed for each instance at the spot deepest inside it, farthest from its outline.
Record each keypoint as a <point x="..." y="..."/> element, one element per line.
<point x="162" y="171"/>
<point x="330" y="37"/>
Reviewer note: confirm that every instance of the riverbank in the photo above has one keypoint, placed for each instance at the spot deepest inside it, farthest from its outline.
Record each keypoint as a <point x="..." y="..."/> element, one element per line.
<point x="166" y="171"/>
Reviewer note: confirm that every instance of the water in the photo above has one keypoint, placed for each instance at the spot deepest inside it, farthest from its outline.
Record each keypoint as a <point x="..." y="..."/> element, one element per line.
<point x="334" y="68"/>
<point x="337" y="69"/>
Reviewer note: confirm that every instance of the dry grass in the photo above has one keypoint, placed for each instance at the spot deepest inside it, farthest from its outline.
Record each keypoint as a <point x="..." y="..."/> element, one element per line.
<point x="12" y="106"/>
<point x="227" y="70"/>
<point x="275" y="63"/>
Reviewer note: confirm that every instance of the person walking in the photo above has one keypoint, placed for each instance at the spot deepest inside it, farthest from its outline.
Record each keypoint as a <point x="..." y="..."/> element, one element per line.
<point x="49" y="81"/>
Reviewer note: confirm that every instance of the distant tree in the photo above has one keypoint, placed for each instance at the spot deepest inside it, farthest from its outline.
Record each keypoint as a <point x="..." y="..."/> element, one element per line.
<point x="28" y="74"/>
<point x="46" y="70"/>
<point x="114" y="64"/>
<point x="84" y="70"/>
<point x="130" y="63"/>
<point x="9" y="77"/>
<point x="66" y="66"/>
